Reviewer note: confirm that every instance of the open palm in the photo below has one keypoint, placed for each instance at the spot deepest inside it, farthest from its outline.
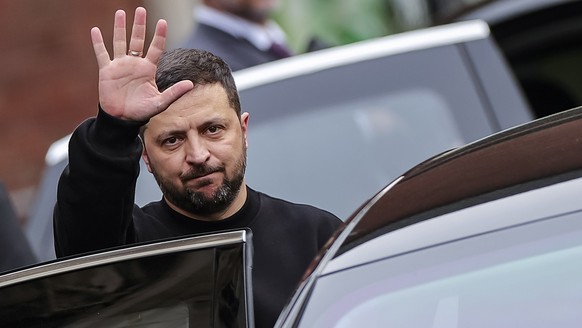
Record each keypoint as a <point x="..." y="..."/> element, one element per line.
<point x="127" y="87"/>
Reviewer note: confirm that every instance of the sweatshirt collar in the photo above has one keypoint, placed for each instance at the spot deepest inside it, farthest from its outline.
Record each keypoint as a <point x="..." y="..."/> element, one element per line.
<point x="242" y="218"/>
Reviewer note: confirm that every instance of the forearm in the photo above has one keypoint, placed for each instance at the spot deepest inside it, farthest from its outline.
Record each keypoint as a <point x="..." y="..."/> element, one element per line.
<point x="95" y="194"/>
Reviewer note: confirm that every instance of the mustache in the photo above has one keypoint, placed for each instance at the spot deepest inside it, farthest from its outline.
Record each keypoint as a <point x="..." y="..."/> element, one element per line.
<point x="199" y="171"/>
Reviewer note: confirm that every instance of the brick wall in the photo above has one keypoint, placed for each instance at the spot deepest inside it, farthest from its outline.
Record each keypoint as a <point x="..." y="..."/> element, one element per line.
<point x="48" y="81"/>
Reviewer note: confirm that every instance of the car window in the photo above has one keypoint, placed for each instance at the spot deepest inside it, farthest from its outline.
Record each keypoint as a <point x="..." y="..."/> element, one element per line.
<point x="369" y="137"/>
<point x="195" y="282"/>
<point x="541" y="41"/>
<point x="521" y="275"/>
<point x="551" y="77"/>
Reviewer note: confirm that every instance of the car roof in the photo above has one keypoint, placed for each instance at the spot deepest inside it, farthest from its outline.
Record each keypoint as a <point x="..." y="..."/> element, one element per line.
<point x="361" y="51"/>
<point x="529" y="156"/>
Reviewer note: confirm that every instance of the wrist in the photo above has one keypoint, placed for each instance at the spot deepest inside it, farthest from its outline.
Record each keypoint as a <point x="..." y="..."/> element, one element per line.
<point x="115" y="132"/>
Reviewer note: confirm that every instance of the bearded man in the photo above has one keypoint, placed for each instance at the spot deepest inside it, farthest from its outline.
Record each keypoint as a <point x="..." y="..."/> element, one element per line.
<point x="185" y="106"/>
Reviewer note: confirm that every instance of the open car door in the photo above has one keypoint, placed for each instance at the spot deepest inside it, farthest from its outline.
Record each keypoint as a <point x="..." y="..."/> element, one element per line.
<point x="200" y="281"/>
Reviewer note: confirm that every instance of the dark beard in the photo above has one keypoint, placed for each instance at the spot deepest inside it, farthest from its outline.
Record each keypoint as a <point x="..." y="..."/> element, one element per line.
<point x="196" y="203"/>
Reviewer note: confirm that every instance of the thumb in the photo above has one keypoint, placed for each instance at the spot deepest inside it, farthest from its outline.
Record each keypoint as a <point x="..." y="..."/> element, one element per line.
<point x="174" y="92"/>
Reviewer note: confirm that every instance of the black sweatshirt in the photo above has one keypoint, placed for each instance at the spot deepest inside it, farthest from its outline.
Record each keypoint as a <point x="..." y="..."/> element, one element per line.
<point x="95" y="210"/>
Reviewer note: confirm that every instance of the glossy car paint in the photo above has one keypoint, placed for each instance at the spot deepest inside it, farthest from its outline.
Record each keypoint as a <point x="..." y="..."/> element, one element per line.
<point x="521" y="178"/>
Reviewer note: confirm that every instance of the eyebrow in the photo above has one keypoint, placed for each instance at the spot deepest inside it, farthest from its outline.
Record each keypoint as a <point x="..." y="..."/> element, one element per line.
<point x="213" y="121"/>
<point x="159" y="138"/>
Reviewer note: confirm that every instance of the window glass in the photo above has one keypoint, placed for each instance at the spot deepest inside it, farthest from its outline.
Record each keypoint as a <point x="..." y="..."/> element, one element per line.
<point x="196" y="288"/>
<point x="551" y="78"/>
<point x="524" y="276"/>
<point x="375" y="139"/>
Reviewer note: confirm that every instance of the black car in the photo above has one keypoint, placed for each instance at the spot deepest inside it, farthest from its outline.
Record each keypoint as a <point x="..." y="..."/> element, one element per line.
<point x="486" y="235"/>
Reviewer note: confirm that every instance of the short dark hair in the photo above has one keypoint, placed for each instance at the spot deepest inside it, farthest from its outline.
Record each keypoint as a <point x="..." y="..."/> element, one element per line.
<point x="199" y="66"/>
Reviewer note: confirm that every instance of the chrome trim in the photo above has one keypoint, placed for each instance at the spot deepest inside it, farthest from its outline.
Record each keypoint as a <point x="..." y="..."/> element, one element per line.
<point x="361" y="51"/>
<point x="57" y="151"/>
<point x="88" y="261"/>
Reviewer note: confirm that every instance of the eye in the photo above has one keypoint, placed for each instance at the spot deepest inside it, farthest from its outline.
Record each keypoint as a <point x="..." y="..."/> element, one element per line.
<point x="170" y="141"/>
<point x="214" y="129"/>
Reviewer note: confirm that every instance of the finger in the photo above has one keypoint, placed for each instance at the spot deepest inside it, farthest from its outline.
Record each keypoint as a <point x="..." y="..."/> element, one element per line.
<point x="138" y="31"/>
<point x="174" y="92"/>
<point x="119" y="37"/>
<point x="158" y="42"/>
<point x="99" y="47"/>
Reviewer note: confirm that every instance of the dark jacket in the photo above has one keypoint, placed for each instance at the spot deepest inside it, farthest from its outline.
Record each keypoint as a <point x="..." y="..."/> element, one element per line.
<point x="238" y="53"/>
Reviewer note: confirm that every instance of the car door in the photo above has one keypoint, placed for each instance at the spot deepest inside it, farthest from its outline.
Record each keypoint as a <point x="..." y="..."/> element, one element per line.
<point x="199" y="281"/>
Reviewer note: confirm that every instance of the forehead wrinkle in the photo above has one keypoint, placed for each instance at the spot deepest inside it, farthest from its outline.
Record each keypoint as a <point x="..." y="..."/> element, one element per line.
<point x="202" y="98"/>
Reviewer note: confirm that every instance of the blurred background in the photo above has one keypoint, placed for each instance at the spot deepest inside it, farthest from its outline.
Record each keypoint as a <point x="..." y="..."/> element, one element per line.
<point x="48" y="79"/>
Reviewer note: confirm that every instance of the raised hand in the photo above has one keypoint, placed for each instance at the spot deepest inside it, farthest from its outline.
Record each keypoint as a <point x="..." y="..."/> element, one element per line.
<point x="127" y="87"/>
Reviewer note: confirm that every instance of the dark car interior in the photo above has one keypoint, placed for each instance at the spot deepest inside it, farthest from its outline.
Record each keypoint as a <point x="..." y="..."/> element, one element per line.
<point x="543" y="46"/>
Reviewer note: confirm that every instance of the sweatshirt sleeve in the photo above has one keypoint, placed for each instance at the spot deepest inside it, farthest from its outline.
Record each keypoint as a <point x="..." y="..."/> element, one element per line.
<point x="95" y="194"/>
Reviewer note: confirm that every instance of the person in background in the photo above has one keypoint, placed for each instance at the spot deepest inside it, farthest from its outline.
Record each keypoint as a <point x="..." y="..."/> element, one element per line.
<point x="179" y="111"/>
<point x="241" y="32"/>
<point x="14" y="247"/>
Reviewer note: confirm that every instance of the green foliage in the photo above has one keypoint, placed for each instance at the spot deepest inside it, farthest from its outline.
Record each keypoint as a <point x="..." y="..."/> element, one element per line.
<point x="334" y="22"/>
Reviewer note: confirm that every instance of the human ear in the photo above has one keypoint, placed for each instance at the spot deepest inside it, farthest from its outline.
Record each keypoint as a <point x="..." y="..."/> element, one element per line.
<point x="146" y="159"/>
<point x="244" y="124"/>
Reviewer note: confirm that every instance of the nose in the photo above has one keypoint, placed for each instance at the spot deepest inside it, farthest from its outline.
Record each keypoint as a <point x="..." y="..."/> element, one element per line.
<point x="197" y="151"/>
